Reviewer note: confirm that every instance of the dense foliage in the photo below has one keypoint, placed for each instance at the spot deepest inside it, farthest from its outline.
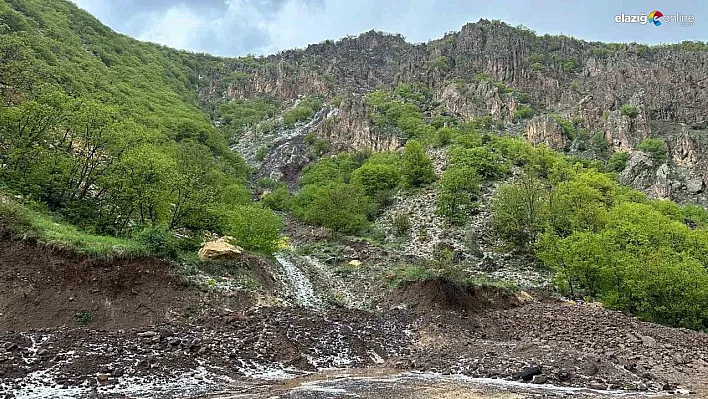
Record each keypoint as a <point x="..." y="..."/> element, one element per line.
<point x="105" y="130"/>
<point x="608" y="242"/>
<point x="344" y="192"/>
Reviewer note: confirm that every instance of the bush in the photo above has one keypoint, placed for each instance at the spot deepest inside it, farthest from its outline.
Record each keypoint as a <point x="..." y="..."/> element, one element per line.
<point x="617" y="162"/>
<point x="279" y="199"/>
<point x="656" y="148"/>
<point x="261" y="153"/>
<point x="378" y="179"/>
<point x="401" y="224"/>
<point x="444" y="136"/>
<point x="459" y="188"/>
<point x="15" y="220"/>
<point x="629" y="110"/>
<point x="417" y="167"/>
<point x="341" y="207"/>
<point x="524" y="111"/>
<point x="608" y="242"/>
<point x="253" y="227"/>
<point x="489" y="164"/>
<point x="159" y="242"/>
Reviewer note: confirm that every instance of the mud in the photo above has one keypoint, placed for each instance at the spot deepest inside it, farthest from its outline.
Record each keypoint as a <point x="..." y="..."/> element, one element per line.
<point x="446" y="335"/>
<point x="441" y="294"/>
<point x="42" y="288"/>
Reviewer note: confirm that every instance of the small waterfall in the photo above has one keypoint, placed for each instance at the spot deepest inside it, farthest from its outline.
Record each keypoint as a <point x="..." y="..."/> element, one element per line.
<point x="298" y="282"/>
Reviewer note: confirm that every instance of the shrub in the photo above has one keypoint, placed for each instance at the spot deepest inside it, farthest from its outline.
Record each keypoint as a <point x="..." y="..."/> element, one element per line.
<point x="523" y="111"/>
<point x="253" y="227"/>
<point x="617" y="162"/>
<point x="341" y="207"/>
<point x="459" y="188"/>
<point x="656" y="148"/>
<point x="417" y="167"/>
<point x="488" y="163"/>
<point x="569" y="65"/>
<point x="378" y="179"/>
<point x="445" y="135"/>
<point x="15" y="220"/>
<point x="261" y="153"/>
<point x="83" y="318"/>
<point x="401" y="224"/>
<point x="159" y="242"/>
<point x="279" y="199"/>
<point x="629" y="110"/>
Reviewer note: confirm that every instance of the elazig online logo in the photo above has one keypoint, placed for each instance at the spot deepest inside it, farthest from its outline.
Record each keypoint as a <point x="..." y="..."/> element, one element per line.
<point x="656" y="17"/>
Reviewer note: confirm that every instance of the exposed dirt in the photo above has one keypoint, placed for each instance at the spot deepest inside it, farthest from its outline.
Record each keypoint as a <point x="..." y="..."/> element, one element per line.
<point x="441" y="294"/>
<point x="41" y="287"/>
<point x="473" y="332"/>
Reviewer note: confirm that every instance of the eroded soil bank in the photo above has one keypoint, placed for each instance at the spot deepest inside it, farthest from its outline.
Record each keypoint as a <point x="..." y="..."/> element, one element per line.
<point x="438" y="332"/>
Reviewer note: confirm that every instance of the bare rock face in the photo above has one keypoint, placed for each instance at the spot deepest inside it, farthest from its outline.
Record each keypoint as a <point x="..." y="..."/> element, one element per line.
<point x="349" y="128"/>
<point x="545" y="130"/>
<point x="639" y="172"/>
<point x="220" y="249"/>
<point x="643" y="174"/>
<point x="477" y="99"/>
<point x="280" y="81"/>
<point x="685" y="150"/>
<point x="485" y="69"/>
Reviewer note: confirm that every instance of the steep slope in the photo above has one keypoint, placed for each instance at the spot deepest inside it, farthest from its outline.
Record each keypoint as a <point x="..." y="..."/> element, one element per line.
<point x="490" y="68"/>
<point x="106" y="130"/>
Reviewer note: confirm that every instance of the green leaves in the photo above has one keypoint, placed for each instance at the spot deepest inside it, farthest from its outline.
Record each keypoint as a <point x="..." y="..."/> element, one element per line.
<point x="459" y="189"/>
<point x="607" y="242"/>
<point x="253" y="227"/>
<point x="338" y="206"/>
<point x="656" y="148"/>
<point x="416" y="166"/>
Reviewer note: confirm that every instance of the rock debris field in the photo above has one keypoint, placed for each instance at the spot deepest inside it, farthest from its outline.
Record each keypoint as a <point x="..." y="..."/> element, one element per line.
<point x="546" y="343"/>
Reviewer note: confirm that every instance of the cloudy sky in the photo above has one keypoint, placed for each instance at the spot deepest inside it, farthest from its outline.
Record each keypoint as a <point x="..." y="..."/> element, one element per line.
<point x="240" y="27"/>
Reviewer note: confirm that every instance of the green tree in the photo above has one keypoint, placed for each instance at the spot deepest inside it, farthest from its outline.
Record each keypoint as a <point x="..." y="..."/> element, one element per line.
<point x="459" y="188"/>
<point x="416" y="166"/>
<point x="520" y="212"/>
<point x="254" y="228"/>
<point x="378" y="179"/>
<point x="338" y="206"/>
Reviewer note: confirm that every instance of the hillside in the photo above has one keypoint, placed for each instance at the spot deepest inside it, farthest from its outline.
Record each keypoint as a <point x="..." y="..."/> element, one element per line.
<point x="492" y="204"/>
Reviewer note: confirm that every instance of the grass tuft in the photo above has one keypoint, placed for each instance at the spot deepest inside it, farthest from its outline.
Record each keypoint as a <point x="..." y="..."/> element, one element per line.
<point x="20" y="222"/>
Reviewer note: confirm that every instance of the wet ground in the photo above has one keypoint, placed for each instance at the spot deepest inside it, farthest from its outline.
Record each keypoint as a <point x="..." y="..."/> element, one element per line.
<point x="391" y="384"/>
<point x="541" y="349"/>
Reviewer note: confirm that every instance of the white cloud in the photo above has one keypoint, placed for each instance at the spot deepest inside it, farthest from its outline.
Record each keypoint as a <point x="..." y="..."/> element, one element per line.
<point x="238" y="27"/>
<point x="177" y="27"/>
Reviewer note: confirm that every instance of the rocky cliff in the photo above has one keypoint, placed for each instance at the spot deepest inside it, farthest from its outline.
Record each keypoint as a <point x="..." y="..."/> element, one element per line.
<point x="626" y="92"/>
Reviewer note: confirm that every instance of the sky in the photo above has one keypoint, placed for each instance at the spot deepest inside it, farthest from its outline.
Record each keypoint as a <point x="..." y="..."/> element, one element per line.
<point x="260" y="27"/>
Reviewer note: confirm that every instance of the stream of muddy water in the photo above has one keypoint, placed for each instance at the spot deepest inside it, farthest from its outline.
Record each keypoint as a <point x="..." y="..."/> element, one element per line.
<point x="392" y="384"/>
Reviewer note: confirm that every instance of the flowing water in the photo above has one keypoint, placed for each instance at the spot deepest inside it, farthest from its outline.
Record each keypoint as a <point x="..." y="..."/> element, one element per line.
<point x="387" y="384"/>
<point x="300" y="285"/>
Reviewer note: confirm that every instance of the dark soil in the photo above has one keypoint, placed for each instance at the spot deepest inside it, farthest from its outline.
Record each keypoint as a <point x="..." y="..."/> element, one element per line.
<point x="441" y="294"/>
<point x="477" y="332"/>
<point x="42" y="288"/>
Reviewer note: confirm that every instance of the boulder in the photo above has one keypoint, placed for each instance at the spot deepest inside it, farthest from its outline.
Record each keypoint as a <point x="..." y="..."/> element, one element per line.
<point x="220" y="249"/>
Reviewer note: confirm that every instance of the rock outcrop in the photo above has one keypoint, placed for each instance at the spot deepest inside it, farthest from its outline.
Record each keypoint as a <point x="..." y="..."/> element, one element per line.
<point x="488" y="68"/>
<point x="220" y="249"/>
<point x="545" y="130"/>
<point x="349" y="128"/>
